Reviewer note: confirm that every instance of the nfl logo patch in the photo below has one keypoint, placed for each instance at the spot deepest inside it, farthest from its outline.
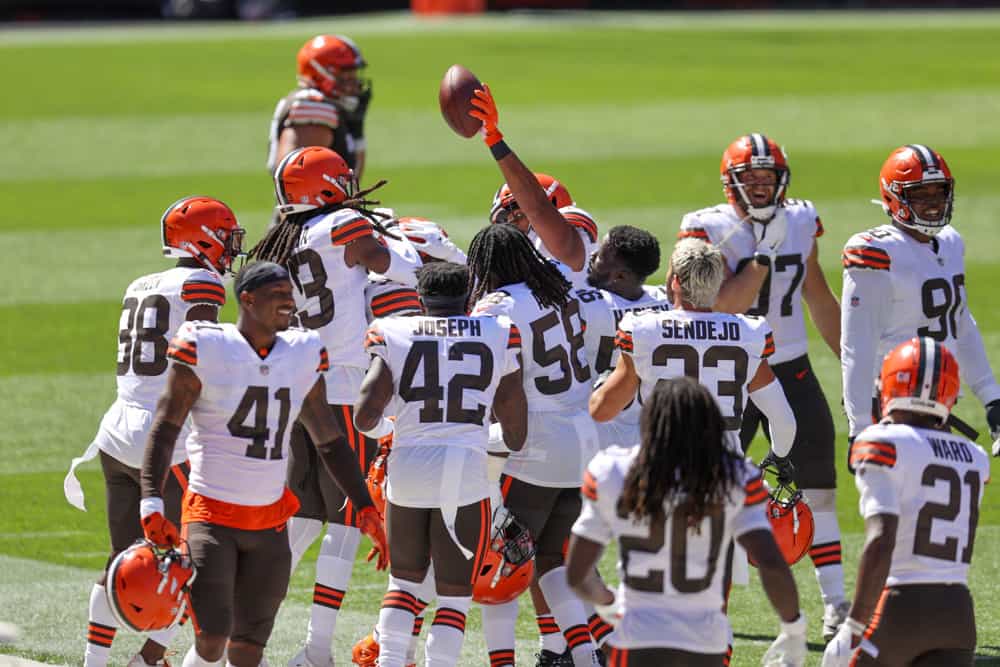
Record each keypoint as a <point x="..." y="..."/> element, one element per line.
<point x="855" y="301"/>
<point x="264" y="370"/>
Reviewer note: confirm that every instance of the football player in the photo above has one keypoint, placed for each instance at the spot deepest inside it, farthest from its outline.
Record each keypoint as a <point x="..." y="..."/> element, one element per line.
<point x="537" y="204"/>
<point x="327" y="239"/>
<point x="907" y="278"/>
<point x="243" y="385"/>
<point x="541" y="482"/>
<point x="205" y="237"/>
<point x="438" y="509"/>
<point x="725" y="352"/>
<point x="770" y="244"/>
<point x="921" y="488"/>
<point x="683" y="481"/>
<point x="329" y="105"/>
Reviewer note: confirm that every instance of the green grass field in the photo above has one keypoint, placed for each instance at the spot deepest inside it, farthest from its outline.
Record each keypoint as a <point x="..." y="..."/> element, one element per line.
<point x="102" y="128"/>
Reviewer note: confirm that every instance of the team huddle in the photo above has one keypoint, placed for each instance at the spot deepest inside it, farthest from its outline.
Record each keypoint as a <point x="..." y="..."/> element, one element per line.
<point x="492" y="419"/>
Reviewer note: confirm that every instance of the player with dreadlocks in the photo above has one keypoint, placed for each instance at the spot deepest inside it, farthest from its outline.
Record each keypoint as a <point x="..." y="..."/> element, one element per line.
<point x="541" y="483"/>
<point x="327" y="239"/>
<point x="683" y="481"/>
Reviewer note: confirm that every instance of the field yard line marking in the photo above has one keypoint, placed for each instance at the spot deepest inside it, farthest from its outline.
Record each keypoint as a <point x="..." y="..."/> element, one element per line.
<point x="406" y="24"/>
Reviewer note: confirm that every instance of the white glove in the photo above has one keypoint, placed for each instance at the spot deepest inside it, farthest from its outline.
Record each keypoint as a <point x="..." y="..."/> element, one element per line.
<point x="429" y="238"/>
<point x="500" y="517"/>
<point x="610" y="613"/>
<point x="789" y="649"/>
<point x="770" y="236"/>
<point x="838" y="652"/>
<point x="996" y="447"/>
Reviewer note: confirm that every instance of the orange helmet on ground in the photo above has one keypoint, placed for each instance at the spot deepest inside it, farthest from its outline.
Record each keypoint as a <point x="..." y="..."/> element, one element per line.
<point x="322" y="62"/>
<point x="920" y="375"/>
<point x="148" y="588"/>
<point x="312" y="177"/>
<point x="205" y="229"/>
<point x="911" y="166"/>
<point x="791" y="522"/>
<point x="754" y="151"/>
<point x="504" y="204"/>
<point x="508" y="567"/>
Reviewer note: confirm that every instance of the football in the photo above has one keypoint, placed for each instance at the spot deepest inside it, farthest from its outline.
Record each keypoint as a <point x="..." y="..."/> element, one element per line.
<point x="454" y="98"/>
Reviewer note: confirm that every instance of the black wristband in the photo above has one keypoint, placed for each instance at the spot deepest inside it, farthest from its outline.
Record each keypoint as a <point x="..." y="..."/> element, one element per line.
<point x="500" y="150"/>
<point x="762" y="259"/>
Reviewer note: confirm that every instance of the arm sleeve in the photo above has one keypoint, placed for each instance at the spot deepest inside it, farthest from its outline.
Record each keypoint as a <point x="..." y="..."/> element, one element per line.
<point x="591" y="524"/>
<point x="771" y="400"/>
<point x="972" y="360"/>
<point x="864" y="304"/>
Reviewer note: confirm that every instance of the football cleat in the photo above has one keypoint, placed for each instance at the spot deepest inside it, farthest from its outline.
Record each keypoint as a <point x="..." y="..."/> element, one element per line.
<point x="791" y="520"/>
<point x="148" y="587"/>
<point x="754" y="151"/>
<point x="920" y="375"/>
<point x="331" y="63"/>
<point x="138" y="661"/>
<point x="205" y="229"/>
<point x="504" y="204"/>
<point x="913" y="166"/>
<point x="547" y="658"/>
<point x="312" y="177"/>
<point x="833" y="617"/>
<point x="301" y="659"/>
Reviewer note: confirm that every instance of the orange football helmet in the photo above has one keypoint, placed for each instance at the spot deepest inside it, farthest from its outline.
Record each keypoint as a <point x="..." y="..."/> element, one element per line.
<point x="205" y="229"/>
<point x="148" y="588"/>
<point x="312" y="177"/>
<point x="754" y="151"/>
<point x="508" y="566"/>
<point x="504" y="204"/>
<point x="791" y="522"/>
<point x="920" y="375"/>
<point x="907" y="167"/>
<point x="322" y="63"/>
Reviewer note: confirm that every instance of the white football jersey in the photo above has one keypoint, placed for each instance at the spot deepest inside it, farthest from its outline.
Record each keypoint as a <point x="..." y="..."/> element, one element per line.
<point x="934" y="482"/>
<point x="896" y="288"/>
<point x="387" y="298"/>
<point x="445" y="372"/>
<point x="721" y="350"/>
<point x="241" y="422"/>
<point x="561" y="435"/>
<point x="603" y="311"/>
<point x="780" y="298"/>
<point x="671" y="571"/>
<point x="587" y="228"/>
<point x="330" y="296"/>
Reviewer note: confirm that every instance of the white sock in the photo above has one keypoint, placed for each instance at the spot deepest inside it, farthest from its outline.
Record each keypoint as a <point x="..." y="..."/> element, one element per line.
<point x="333" y="574"/>
<point x="301" y="534"/>
<point x="552" y="637"/>
<point x="395" y="621"/>
<point x="569" y="614"/>
<point x="101" y="629"/>
<point x="192" y="659"/>
<point x="444" y="642"/>
<point x="826" y="558"/>
<point x="164" y="637"/>
<point x="499" y="621"/>
<point x="411" y="650"/>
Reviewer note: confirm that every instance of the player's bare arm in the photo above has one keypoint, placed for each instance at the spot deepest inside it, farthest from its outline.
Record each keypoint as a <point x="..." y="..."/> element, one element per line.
<point x="775" y="575"/>
<point x="300" y="136"/>
<point x="617" y="391"/>
<point x="561" y="238"/>
<point x="510" y="406"/>
<point x="873" y="568"/>
<point x="823" y="305"/>
<point x="739" y="290"/>
<point x="183" y="389"/>
<point x="581" y="571"/>
<point x="375" y="393"/>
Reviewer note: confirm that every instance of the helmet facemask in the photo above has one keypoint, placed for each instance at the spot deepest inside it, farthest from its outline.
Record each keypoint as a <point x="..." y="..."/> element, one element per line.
<point x="733" y="184"/>
<point x="904" y="213"/>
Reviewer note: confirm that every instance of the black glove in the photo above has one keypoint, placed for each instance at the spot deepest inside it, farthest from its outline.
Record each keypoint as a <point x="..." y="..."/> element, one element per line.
<point x="993" y="419"/>
<point x="354" y="121"/>
<point x="783" y="466"/>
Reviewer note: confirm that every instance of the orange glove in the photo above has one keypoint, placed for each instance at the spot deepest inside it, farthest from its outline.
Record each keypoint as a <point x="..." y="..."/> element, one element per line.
<point x="370" y="523"/>
<point x="160" y="531"/>
<point x="485" y="109"/>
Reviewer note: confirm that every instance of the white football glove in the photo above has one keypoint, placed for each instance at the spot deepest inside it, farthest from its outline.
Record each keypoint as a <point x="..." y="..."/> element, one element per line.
<point x="789" y="649"/>
<point x="429" y="238"/>
<point x="770" y="236"/>
<point x="838" y="652"/>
